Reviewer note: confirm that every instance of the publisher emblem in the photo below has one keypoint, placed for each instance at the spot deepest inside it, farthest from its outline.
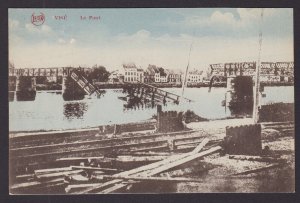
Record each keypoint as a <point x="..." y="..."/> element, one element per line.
<point x="38" y="19"/>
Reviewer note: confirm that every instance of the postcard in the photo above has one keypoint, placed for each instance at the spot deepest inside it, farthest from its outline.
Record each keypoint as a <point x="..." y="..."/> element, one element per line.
<point x="151" y="100"/>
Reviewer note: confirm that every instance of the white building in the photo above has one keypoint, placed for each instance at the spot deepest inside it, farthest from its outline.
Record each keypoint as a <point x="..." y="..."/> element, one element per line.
<point x="132" y="74"/>
<point x="195" y="76"/>
<point x="174" y="76"/>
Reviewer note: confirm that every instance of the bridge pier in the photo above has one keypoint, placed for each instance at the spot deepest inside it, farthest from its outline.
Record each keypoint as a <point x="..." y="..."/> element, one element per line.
<point x="11" y="88"/>
<point x="239" y="95"/>
<point x="70" y="90"/>
<point x="230" y="91"/>
<point x="25" y="88"/>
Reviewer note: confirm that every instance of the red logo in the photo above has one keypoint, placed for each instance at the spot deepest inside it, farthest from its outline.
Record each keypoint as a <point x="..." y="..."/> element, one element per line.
<point x="38" y="19"/>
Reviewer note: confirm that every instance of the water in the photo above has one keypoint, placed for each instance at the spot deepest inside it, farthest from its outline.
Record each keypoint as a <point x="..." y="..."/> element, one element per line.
<point x="50" y="112"/>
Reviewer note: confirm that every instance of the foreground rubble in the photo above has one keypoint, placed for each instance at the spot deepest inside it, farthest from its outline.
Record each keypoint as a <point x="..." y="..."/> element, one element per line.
<point x="192" y="160"/>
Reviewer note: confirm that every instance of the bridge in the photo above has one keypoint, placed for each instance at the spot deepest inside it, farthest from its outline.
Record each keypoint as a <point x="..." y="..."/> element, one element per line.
<point x="48" y="72"/>
<point x="25" y="82"/>
<point x="142" y="92"/>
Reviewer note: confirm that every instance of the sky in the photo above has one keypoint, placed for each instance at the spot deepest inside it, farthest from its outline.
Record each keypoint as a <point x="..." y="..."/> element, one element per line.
<point x="149" y="36"/>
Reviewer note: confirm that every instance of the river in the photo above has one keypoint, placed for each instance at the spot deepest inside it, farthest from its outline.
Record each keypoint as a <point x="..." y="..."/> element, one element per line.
<point x="50" y="112"/>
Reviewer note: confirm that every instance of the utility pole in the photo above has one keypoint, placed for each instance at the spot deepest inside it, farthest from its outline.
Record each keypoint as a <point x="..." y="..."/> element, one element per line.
<point x="186" y="71"/>
<point x="257" y="75"/>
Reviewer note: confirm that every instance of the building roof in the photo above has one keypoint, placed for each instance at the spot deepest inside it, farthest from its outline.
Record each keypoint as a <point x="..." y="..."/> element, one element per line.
<point x="196" y="72"/>
<point x="152" y="69"/>
<point x="129" y="65"/>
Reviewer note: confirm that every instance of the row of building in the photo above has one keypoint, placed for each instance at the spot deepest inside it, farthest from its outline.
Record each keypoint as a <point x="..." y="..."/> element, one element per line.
<point x="270" y="72"/>
<point x="130" y="73"/>
<point x="153" y="74"/>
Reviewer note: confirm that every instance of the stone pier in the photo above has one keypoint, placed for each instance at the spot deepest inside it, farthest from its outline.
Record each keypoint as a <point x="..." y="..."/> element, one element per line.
<point x="25" y="88"/>
<point x="71" y="90"/>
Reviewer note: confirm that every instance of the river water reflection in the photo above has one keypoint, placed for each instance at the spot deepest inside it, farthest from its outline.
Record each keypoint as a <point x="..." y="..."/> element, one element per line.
<point x="50" y="112"/>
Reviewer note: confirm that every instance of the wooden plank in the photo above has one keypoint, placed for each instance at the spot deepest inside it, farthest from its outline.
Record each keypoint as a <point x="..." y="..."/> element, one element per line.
<point x="35" y="183"/>
<point x="41" y="171"/>
<point x="159" y="163"/>
<point x="256" y="170"/>
<point x="166" y="164"/>
<point x="51" y="175"/>
<point x="141" y="178"/>
<point x="69" y="188"/>
<point x="112" y="189"/>
<point x="79" y="158"/>
<point x="164" y="146"/>
<point x="255" y="158"/>
<point x="182" y="161"/>
<point x="141" y="169"/>
<point x="93" y="168"/>
<point x="98" y="186"/>
<point x="200" y="146"/>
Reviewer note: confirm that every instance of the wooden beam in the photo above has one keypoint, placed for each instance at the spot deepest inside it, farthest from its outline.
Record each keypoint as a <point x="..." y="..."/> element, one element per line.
<point x="98" y="186"/>
<point x="113" y="188"/>
<point x="93" y="168"/>
<point x="182" y="161"/>
<point x="142" y="178"/>
<point x="171" y="163"/>
<point x="69" y="188"/>
<point x="51" y="170"/>
<point x="51" y="175"/>
<point x="256" y="170"/>
<point x="141" y="169"/>
<point x="35" y="183"/>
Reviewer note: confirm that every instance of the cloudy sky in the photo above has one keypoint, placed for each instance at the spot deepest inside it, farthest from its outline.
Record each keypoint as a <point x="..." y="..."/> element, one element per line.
<point x="149" y="36"/>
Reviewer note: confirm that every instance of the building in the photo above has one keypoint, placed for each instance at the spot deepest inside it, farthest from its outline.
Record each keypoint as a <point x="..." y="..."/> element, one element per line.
<point x="269" y="71"/>
<point x="151" y="74"/>
<point x="116" y="77"/>
<point x="217" y="69"/>
<point x="156" y="74"/>
<point x="195" y="76"/>
<point x="174" y="76"/>
<point x="248" y="68"/>
<point x="132" y="74"/>
<point x="11" y="69"/>
<point x="163" y="75"/>
<point x="140" y="75"/>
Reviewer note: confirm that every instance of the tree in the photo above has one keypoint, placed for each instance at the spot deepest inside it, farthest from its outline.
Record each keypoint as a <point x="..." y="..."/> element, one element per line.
<point x="99" y="73"/>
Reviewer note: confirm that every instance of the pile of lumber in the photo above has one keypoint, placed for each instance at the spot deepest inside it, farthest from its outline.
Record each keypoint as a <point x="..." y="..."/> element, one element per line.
<point x="144" y="173"/>
<point x="286" y="128"/>
<point x="91" y="178"/>
<point x="27" y="153"/>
